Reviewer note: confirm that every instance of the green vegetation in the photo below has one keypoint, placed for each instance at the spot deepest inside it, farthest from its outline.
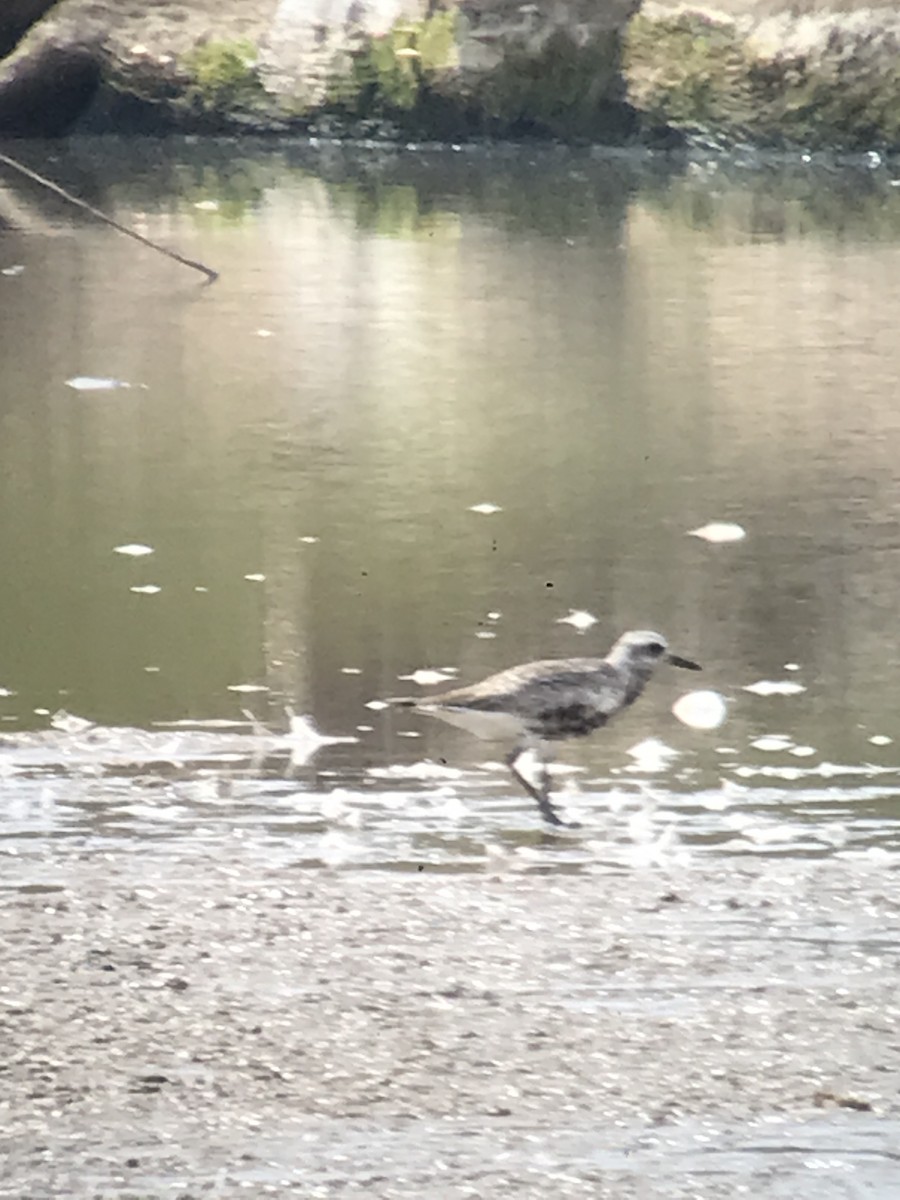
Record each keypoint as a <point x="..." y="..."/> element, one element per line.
<point x="390" y="74"/>
<point x="686" y="71"/>
<point x="223" y="77"/>
<point x="698" y="74"/>
<point x="567" y="89"/>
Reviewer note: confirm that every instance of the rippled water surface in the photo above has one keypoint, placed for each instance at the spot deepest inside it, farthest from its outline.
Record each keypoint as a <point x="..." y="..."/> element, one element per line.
<point x="437" y="402"/>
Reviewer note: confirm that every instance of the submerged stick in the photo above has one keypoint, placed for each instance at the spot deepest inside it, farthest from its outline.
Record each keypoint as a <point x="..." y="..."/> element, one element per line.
<point x="210" y="274"/>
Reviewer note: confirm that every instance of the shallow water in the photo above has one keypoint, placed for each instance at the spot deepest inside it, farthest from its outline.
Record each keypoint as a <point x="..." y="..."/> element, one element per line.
<point x="608" y="352"/>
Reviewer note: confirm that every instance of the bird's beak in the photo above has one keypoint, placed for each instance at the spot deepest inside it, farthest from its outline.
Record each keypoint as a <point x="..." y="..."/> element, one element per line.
<point x="676" y="661"/>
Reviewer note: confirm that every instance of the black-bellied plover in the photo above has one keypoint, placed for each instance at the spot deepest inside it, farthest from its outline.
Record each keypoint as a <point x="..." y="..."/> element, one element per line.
<point x="548" y="701"/>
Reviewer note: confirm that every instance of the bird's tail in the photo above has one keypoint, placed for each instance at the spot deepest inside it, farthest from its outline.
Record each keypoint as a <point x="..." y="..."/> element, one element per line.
<point x="401" y="701"/>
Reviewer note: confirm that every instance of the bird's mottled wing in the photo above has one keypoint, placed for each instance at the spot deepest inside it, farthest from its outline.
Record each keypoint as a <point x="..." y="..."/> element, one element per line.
<point x="538" y="686"/>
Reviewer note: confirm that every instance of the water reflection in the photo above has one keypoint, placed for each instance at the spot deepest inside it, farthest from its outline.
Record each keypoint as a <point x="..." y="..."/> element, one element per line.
<point x="610" y="352"/>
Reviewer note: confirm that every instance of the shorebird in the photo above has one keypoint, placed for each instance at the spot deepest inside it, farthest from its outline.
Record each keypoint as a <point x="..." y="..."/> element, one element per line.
<point x="551" y="700"/>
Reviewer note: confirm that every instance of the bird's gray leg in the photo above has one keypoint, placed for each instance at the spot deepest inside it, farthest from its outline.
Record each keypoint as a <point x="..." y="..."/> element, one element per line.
<point x="542" y="793"/>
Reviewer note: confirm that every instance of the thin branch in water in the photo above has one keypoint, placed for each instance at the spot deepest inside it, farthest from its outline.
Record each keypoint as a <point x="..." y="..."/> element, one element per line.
<point x="210" y="274"/>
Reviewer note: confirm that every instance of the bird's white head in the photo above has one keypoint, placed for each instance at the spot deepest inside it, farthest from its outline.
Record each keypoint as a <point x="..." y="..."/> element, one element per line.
<point x="642" y="649"/>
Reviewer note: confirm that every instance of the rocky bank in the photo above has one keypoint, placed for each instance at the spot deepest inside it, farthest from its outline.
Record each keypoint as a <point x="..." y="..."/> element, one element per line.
<point x="808" y="73"/>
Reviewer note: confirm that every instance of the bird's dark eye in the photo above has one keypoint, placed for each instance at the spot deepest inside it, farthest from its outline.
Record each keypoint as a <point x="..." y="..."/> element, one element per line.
<point x="655" y="649"/>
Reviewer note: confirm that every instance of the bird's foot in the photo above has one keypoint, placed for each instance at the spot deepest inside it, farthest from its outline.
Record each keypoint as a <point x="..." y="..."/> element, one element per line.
<point x="552" y="817"/>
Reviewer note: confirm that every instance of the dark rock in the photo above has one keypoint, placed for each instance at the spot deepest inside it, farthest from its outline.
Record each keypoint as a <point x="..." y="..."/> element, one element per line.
<point x="16" y="18"/>
<point x="42" y="94"/>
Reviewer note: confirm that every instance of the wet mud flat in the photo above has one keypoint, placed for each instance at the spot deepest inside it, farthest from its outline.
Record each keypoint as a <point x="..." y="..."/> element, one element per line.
<point x="180" y="1024"/>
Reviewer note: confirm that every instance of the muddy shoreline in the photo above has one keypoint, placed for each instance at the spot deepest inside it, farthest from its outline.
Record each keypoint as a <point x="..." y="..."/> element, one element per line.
<point x="190" y="1025"/>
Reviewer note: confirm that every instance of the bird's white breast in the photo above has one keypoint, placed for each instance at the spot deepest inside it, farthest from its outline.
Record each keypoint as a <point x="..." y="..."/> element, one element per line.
<point x="490" y="726"/>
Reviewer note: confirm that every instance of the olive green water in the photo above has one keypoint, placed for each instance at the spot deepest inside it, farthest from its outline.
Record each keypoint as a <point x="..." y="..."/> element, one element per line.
<point x="610" y="352"/>
<point x="437" y="401"/>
